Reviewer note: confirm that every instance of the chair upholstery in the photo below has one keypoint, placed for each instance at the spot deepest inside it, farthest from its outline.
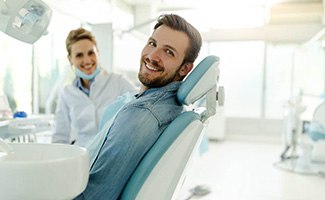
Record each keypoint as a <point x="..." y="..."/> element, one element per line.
<point x="161" y="172"/>
<point x="316" y="129"/>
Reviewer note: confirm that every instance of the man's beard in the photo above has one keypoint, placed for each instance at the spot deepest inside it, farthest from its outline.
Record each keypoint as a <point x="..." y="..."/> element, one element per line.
<point x="145" y="79"/>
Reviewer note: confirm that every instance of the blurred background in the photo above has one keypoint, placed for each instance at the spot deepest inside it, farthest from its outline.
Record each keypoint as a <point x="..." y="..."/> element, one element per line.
<point x="271" y="51"/>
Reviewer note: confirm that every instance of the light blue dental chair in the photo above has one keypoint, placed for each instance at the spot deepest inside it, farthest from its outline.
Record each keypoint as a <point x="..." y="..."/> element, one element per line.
<point x="160" y="174"/>
<point x="316" y="131"/>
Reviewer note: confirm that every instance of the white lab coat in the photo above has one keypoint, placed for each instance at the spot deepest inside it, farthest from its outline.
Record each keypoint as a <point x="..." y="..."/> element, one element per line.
<point x="78" y="115"/>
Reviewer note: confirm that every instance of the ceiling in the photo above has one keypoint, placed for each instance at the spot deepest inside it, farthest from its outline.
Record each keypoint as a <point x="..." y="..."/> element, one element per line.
<point x="287" y="20"/>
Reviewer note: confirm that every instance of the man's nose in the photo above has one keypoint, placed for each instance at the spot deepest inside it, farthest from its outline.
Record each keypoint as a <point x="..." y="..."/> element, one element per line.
<point x="155" y="55"/>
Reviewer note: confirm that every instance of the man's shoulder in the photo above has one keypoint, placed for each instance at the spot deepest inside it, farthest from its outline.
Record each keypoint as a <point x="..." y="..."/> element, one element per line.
<point x="163" y="106"/>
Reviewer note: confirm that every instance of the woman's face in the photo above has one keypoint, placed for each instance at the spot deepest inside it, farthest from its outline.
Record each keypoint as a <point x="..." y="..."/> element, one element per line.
<point x="84" y="56"/>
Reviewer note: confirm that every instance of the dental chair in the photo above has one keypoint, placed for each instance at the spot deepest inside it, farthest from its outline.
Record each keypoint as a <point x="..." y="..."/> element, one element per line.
<point x="308" y="155"/>
<point x="316" y="131"/>
<point x="162" y="171"/>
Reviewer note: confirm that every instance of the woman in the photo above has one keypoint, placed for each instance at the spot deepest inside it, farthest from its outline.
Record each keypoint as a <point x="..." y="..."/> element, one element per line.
<point x="81" y="104"/>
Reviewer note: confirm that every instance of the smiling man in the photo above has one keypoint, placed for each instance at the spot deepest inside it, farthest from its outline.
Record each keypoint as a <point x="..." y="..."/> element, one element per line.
<point x="166" y="59"/>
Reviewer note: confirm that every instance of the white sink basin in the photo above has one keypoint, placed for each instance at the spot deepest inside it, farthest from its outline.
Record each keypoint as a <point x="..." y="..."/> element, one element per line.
<point x="42" y="171"/>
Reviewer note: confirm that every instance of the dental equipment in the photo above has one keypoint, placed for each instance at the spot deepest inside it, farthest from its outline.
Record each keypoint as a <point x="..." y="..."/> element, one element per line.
<point x="199" y="191"/>
<point x="24" y="20"/>
<point x="316" y="131"/>
<point x="293" y="126"/>
<point x="22" y="128"/>
<point x="27" y="129"/>
<point x="307" y="151"/>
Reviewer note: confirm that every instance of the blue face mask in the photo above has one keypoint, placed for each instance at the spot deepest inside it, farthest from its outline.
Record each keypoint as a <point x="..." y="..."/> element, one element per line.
<point x="82" y="75"/>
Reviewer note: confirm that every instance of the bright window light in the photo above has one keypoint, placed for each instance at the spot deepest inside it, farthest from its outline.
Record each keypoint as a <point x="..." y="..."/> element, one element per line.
<point x="236" y="17"/>
<point x="222" y="17"/>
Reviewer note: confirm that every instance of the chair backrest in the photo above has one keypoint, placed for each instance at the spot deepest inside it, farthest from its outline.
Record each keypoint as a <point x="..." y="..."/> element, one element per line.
<point x="160" y="173"/>
<point x="316" y="129"/>
<point x="319" y="114"/>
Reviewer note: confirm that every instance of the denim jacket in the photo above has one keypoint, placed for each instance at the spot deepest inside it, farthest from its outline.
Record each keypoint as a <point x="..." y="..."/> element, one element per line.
<point x="135" y="129"/>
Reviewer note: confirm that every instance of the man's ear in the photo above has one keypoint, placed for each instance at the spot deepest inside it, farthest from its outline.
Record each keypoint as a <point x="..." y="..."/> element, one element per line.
<point x="185" y="69"/>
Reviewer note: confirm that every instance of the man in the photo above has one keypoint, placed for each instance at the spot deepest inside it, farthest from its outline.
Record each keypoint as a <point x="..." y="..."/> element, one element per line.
<point x="166" y="59"/>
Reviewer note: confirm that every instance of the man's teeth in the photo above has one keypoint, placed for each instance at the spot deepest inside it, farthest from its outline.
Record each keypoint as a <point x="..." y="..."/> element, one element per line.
<point x="151" y="68"/>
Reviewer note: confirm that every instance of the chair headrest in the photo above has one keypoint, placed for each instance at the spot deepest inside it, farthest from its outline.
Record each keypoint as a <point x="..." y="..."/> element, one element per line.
<point x="202" y="79"/>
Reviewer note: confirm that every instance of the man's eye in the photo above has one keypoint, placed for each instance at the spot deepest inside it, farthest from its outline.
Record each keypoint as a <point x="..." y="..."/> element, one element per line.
<point x="151" y="44"/>
<point x="169" y="52"/>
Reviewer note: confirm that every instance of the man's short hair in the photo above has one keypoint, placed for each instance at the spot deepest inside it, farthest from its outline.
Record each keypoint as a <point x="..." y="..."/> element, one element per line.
<point x="178" y="23"/>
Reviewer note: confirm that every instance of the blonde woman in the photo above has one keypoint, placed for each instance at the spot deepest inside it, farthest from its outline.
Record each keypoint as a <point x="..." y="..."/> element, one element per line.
<point x="82" y="103"/>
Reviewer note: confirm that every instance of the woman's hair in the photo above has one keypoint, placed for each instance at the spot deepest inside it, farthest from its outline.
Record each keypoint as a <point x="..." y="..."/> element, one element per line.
<point x="178" y="23"/>
<point x="77" y="35"/>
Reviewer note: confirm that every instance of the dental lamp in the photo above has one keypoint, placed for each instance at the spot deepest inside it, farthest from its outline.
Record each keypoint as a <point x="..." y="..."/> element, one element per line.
<point x="24" y="20"/>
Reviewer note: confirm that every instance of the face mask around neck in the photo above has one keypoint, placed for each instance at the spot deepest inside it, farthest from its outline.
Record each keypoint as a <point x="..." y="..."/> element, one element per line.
<point x="82" y="75"/>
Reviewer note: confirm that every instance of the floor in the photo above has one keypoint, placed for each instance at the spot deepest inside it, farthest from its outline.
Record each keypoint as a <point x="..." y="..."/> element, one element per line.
<point x="244" y="170"/>
<point x="234" y="169"/>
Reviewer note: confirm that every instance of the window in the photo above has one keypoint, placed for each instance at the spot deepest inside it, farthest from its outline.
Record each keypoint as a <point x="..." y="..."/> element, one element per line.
<point x="241" y="73"/>
<point x="279" y="66"/>
<point x="16" y="72"/>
